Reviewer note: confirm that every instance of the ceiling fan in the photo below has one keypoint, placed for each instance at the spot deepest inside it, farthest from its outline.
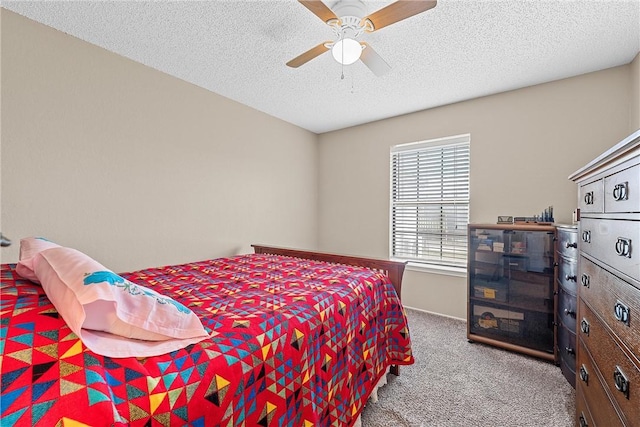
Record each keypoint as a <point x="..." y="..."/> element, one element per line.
<point x="349" y="20"/>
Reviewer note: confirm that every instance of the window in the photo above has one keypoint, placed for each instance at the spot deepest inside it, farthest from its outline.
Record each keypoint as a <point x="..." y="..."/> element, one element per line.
<point x="430" y="201"/>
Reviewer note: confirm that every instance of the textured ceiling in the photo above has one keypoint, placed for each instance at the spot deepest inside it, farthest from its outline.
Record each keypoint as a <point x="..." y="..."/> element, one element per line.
<point x="459" y="50"/>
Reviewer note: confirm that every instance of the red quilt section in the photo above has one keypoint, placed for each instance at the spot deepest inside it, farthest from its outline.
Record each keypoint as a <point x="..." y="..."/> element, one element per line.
<point x="293" y="343"/>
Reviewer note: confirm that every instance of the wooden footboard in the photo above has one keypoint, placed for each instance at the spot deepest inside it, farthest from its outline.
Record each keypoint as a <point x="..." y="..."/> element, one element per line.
<point x="393" y="269"/>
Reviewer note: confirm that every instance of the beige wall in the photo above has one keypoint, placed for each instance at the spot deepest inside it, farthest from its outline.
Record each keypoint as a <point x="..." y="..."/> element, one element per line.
<point x="634" y="107"/>
<point x="1" y="228"/>
<point x="524" y="145"/>
<point x="138" y="168"/>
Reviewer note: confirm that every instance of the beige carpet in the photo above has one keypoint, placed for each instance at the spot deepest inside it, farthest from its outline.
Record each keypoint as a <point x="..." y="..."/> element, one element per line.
<point x="457" y="383"/>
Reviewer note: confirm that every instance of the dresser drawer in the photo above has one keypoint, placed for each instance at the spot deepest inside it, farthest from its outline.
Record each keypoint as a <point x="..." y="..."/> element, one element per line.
<point x="590" y="197"/>
<point x="567" y="309"/>
<point x="607" y="295"/>
<point x="568" y="274"/>
<point x="614" y="242"/>
<point x="567" y="243"/>
<point x="567" y="346"/>
<point x="583" y="416"/>
<point x="568" y="370"/>
<point x="589" y="387"/>
<point x="611" y="362"/>
<point x="622" y="191"/>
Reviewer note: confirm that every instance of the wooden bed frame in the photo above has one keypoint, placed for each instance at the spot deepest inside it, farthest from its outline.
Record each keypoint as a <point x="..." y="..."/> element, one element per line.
<point x="393" y="269"/>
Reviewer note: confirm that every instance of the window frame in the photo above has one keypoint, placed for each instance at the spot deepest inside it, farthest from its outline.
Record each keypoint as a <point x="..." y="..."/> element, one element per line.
<point x="427" y="265"/>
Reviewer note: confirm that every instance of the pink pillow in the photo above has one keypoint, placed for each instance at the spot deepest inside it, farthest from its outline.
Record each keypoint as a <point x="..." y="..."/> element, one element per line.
<point x="29" y="248"/>
<point x="113" y="316"/>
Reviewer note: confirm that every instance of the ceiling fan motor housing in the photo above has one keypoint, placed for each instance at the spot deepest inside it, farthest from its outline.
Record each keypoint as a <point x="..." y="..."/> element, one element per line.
<point x="348" y="27"/>
<point x="350" y="14"/>
<point x="345" y="8"/>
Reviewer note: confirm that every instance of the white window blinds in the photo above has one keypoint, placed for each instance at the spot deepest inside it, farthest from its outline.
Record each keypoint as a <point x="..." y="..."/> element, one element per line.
<point x="430" y="201"/>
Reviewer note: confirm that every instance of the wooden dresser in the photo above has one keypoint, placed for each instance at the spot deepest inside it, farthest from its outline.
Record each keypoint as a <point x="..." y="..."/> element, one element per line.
<point x="608" y="318"/>
<point x="567" y="305"/>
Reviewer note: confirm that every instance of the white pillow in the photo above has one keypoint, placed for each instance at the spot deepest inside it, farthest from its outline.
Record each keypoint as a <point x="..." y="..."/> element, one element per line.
<point x="111" y="315"/>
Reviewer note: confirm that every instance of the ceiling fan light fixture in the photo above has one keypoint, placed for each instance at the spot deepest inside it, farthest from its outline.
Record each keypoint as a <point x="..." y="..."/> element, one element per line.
<point x="349" y="20"/>
<point x="346" y="51"/>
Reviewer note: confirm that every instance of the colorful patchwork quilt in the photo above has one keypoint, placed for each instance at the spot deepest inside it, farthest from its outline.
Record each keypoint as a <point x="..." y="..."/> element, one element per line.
<point x="293" y="343"/>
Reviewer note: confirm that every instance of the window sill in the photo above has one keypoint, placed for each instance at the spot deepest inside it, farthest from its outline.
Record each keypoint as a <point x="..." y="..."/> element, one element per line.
<point x="437" y="269"/>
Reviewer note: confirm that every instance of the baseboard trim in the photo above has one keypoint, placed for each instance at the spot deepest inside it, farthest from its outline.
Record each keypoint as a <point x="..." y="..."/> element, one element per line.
<point x="434" y="313"/>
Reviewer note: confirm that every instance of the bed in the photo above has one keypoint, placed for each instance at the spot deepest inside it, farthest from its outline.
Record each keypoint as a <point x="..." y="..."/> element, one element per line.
<point x="294" y="338"/>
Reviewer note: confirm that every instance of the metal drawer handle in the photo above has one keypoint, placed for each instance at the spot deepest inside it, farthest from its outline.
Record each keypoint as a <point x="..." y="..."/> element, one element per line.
<point x="620" y="191"/>
<point x="584" y="326"/>
<point x="583" y="420"/>
<point x="585" y="279"/>
<point x="586" y="236"/>
<point x="622" y="312"/>
<point x="571" y="278"/>
<point x="621" y="381"/>
<point x="569" y="312"/>
<point x="571" y="245"/>
<point x="584" y="375"/>
<point x="623" y="247"/>
<point x="569" y="350"/>
<point x="588" y="198"/>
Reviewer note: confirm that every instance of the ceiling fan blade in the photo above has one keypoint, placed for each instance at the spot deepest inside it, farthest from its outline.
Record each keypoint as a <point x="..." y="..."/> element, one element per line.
<point x="398" y="11"/>
<point x="371" y="59"/>
<point x="319" y="9"/>
<point x="308" y="55"/>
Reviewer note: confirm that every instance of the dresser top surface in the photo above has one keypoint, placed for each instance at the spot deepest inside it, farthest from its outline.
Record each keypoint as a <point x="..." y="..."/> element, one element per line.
<point x="514" y="227"/>
<point x="624" y="150"/>
<point x="569" y="227"/>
